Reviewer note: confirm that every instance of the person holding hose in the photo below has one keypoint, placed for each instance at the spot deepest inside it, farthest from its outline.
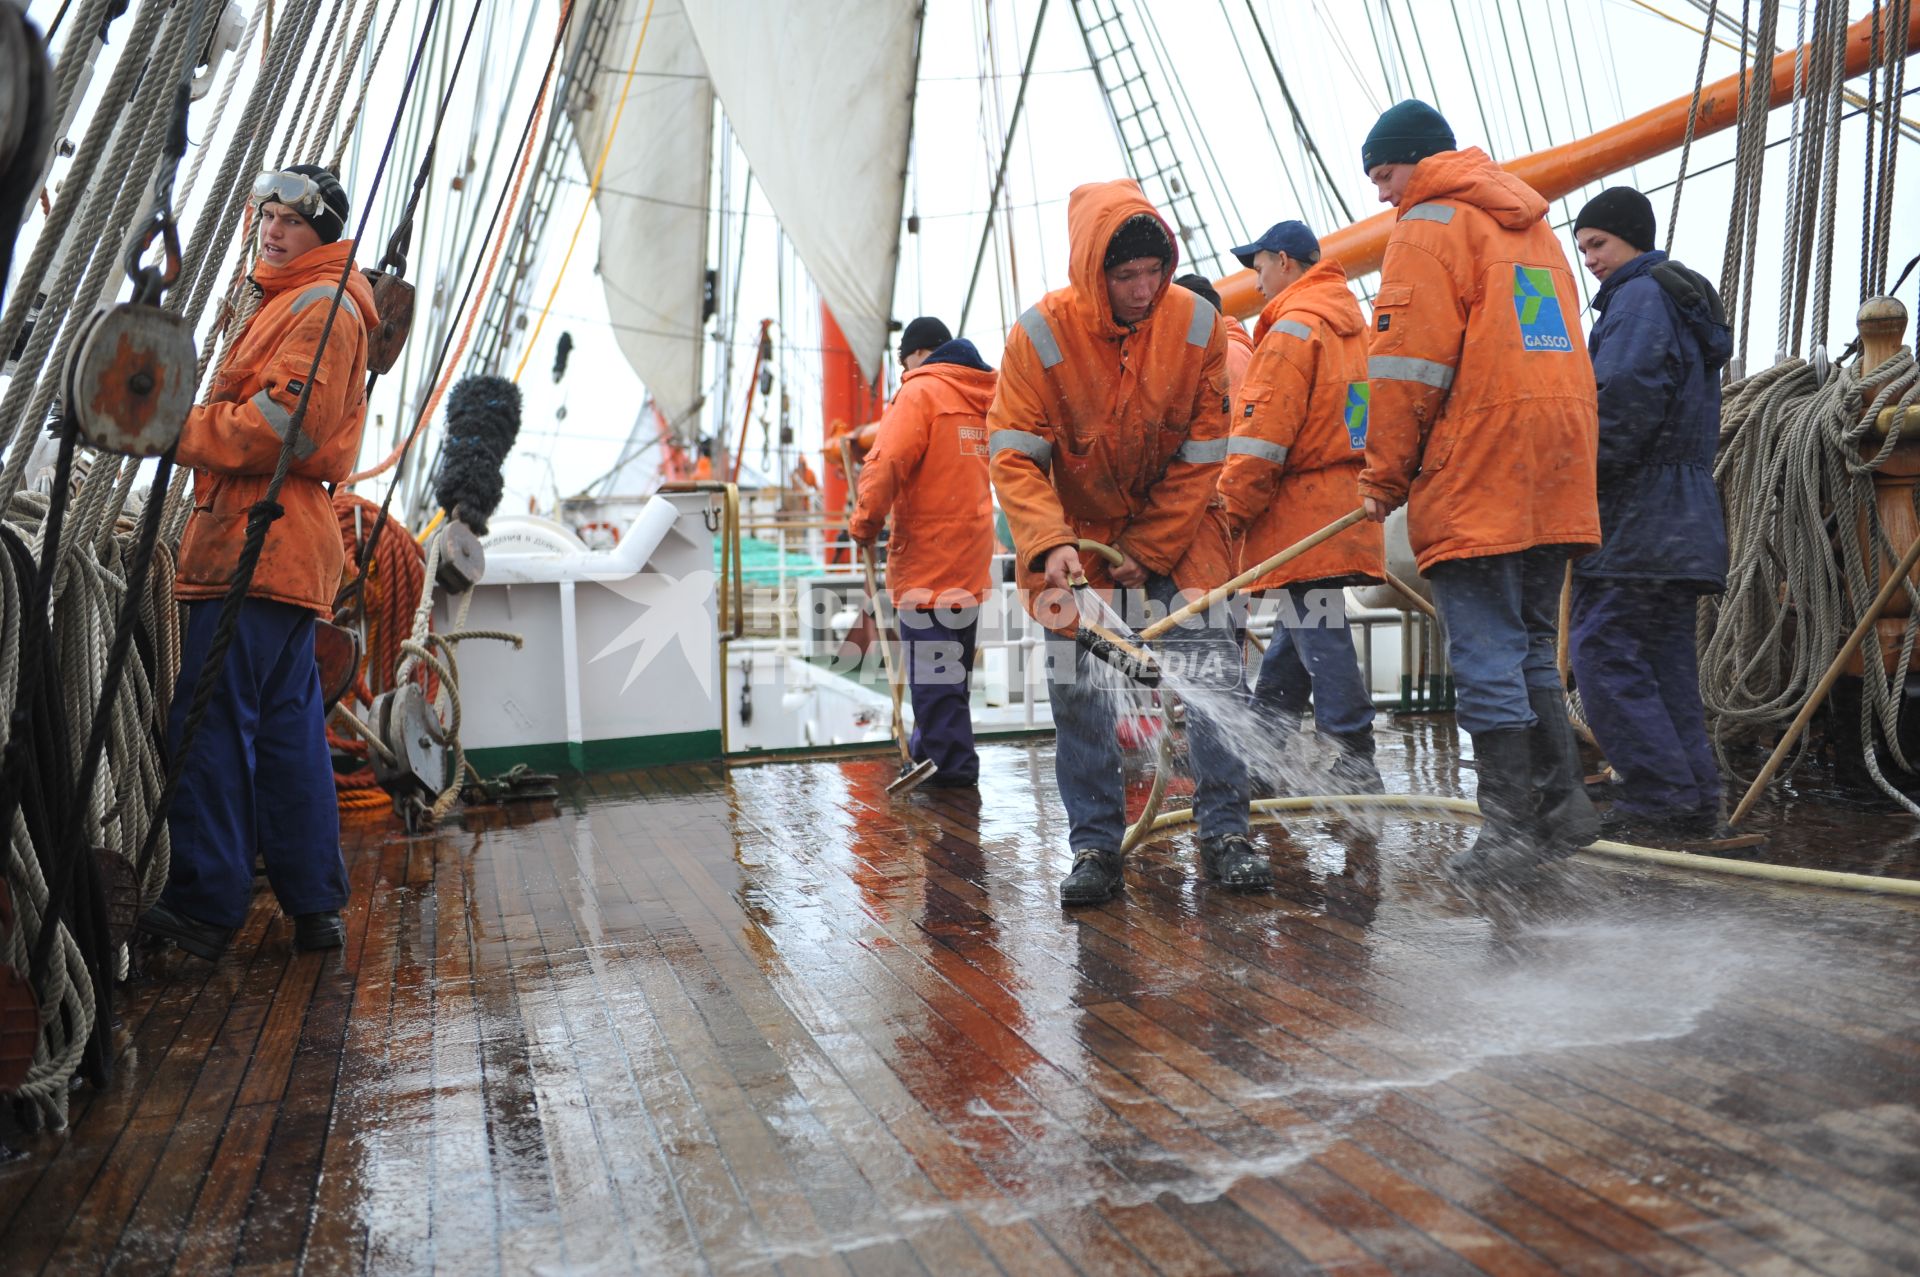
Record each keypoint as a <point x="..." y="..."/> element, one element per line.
<point x="1110" y="423"/>
<point x="1293" y="466"/>
<point x="257" y="776"/>
<point x="1483" y="423"/>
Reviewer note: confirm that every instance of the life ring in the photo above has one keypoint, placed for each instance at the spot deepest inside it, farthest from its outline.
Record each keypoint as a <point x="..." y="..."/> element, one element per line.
<point x="611" y="529"/>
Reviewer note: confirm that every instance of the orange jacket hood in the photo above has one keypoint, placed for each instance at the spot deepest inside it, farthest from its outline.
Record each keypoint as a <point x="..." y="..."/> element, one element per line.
<point x="974" y="384"/>
<point x="321" y="266"/>
<point x="1471" y="177"/>
<point x="1323" y="293"/>
<point x="1094" y="212"/>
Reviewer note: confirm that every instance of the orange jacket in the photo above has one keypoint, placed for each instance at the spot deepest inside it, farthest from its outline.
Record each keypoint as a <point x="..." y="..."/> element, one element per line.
<point x="1239" y="352"/>
<point x="1108" y="431"/>
<point x="1300" y="436"/>
<point x="1483" y="418"/>
<point x="929" y="466"/>
<point x="234" y="439"/>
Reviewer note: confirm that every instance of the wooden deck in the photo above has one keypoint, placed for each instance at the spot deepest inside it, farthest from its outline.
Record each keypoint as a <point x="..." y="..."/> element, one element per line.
<point x="701" y="1021"/>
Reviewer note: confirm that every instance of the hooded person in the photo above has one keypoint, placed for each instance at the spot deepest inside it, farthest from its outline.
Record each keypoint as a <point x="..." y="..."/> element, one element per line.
<point x="1110" y="423"/>
<point x="1483" y="423"/>
<point x="1657" y="346"/>
<point x="1293" y="466"/>
<point x="928" y="467"/>
<point x="258" y="776"/>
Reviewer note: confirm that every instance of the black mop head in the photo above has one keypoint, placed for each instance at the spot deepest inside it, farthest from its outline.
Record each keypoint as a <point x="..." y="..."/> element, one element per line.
<point x="483" y="419"/>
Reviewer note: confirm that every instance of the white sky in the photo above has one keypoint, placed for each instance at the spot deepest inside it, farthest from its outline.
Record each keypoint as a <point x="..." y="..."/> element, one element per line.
<point x="1575" y="65"/>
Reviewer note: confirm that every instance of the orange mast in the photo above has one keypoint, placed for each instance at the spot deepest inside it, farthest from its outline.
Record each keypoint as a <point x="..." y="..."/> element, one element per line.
<point x="1560" y="169"/>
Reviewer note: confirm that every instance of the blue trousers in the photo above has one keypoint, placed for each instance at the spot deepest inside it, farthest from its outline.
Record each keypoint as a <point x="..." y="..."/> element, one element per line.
<point x="939" y="665"/>
<point x="1502" y="613"/>
<point x="1633" y="652"/>
<point x="258" y="776"/>
<point x="1311" y="656"/>
<point x="1087" y="754"/>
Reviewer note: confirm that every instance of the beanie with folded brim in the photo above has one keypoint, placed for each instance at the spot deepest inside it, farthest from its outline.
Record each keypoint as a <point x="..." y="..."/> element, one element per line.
<point x="1620" y="211"/>
<point x="1406" y="133"/>
<point x="1139" y="236"/>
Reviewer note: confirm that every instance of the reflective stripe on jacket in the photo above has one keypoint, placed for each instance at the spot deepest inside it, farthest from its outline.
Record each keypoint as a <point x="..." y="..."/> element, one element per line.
<point x="1300" y="436"/>
<point x="1482" y="418"/>
<point x="929" y="467"/>
<point x="1106" y="430"/>
<point x="233" y="441"/>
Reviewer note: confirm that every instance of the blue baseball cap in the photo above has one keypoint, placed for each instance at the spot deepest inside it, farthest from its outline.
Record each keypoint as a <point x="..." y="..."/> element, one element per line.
<point x="1291" y="238"/>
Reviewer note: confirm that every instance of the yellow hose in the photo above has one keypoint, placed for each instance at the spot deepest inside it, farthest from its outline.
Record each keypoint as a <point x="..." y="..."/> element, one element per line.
<point x="1422" y="804"/>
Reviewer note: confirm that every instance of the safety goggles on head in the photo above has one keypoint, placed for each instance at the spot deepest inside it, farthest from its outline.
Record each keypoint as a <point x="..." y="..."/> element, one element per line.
<point x="297" y="191"/>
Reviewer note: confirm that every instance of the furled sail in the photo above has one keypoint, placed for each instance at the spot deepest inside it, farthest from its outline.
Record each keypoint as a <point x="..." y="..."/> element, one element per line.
<point x="653" y="198"/>
<point x="820" y="96"/>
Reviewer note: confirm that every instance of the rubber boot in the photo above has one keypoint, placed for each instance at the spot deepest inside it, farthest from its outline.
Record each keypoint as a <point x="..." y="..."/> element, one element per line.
<point x="1353" y="770"/>
<point x="1567" y="819"/>
<point x="1095" y="878"/>
<point x="1268" y="770"/>
<point x="1231" y="861"/>
<point x="1505" y="844"/>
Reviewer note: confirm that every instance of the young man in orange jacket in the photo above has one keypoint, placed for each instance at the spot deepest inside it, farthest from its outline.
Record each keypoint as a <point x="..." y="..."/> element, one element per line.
<point x="929" y="467"/>
<point x="1293" y="466"/>
<point x="1110" y="423"/>
<point x="1484" y="424"/>
<point x="258" y="775"/>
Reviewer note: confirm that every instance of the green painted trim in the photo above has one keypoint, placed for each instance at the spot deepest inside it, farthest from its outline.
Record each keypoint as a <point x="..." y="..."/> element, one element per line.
<point x="852" y="749"/>
<point x="600" y="755"/>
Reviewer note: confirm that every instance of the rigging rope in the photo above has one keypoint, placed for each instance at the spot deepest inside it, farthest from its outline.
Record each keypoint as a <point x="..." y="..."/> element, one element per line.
<point x="599" y="170"/>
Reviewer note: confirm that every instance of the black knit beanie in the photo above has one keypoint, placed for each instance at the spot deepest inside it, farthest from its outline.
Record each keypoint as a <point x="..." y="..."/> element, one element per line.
<point x="1139" y="236"/>
<point x="330" y="223"/>
<point x="1622" y="211"/>
<point x="1406" y="133"/>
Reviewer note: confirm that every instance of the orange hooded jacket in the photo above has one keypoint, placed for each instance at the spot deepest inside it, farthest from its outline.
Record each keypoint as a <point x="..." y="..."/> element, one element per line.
<point x="1300" y="436"/>
<point x="1110" y="431"/>
<point x="929" y="466"/>
<point x="233" y="441"/>
<point x="1483" y="420"/>
<point x="1239" y="352"/>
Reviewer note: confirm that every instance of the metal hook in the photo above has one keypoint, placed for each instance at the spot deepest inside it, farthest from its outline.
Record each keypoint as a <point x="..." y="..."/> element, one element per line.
<point x="711" y="516"/>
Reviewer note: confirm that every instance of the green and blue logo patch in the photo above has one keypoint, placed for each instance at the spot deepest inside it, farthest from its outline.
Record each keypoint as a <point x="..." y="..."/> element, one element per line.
<point x="1542" y="327"/>
<point x="1359" y="399"/>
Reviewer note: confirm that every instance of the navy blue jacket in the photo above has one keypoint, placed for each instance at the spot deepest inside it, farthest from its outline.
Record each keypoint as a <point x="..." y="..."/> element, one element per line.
<point x="1657" y="364"/>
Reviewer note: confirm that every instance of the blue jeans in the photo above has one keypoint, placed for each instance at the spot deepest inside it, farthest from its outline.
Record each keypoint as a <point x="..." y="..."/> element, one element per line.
<point x="259" y="775"/>
<point x="1311" y="656"/>
<point x="1633" y="652"/>
<point x="1502" y="613"/>
<point x="938" y="645"/>
<point x="1087" y="754"/>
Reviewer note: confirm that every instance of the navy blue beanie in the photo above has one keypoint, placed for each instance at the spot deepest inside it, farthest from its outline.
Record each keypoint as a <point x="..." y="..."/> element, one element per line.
<point x="1406" y="133"/>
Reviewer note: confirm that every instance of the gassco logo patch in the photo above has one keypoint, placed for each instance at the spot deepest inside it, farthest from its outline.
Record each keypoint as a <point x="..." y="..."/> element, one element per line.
<point x="1542" y="327"/>
<point x="1359" y="399"/>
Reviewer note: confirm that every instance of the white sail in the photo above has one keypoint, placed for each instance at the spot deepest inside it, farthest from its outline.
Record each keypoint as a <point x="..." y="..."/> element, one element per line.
<point x="820" y="96"/>
<point x="653" y="200"/>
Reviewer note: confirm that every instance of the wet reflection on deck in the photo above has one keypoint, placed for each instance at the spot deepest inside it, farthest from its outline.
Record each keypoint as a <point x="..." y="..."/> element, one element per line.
<point x="700" y="1021"/>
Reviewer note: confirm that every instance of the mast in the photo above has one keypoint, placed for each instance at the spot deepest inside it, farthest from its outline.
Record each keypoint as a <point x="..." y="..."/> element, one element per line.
<point x="1560" y="169"/>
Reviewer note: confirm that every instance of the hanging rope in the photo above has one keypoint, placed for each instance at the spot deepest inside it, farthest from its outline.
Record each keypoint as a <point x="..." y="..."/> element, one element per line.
<point x="1693" y="117"/>
<point x="1796" y="488"/>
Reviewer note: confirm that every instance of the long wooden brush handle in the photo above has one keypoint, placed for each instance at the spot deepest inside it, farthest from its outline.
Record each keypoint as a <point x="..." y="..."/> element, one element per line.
<point x="1253" y="574"/>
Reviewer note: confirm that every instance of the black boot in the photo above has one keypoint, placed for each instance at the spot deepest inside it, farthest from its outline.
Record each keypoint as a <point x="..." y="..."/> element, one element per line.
<point x="1231" y="861"/>
<point x="1353" y="770"/>
<point x="201" y="939"/>
<point x="1567" y="819"/>
<point x="1505" y="844"/>
<point x="323" y="930"/>
<point x="1095" y="879"/>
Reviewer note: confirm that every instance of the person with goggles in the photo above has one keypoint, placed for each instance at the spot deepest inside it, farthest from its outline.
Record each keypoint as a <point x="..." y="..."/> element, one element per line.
<point x="258" y="777"/>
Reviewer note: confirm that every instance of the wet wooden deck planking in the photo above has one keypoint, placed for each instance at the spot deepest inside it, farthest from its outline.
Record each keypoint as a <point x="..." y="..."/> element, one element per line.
<point x="694" y="1020"/>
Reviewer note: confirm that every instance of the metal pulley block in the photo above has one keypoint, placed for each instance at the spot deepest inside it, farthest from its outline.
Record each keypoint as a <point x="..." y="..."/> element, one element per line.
<point x="393" y="302"/>
<point x="463" y="561"/>
<point x="417" y="768"/>
<point x="130" y="379"/>
<point x="337" y="651"/>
